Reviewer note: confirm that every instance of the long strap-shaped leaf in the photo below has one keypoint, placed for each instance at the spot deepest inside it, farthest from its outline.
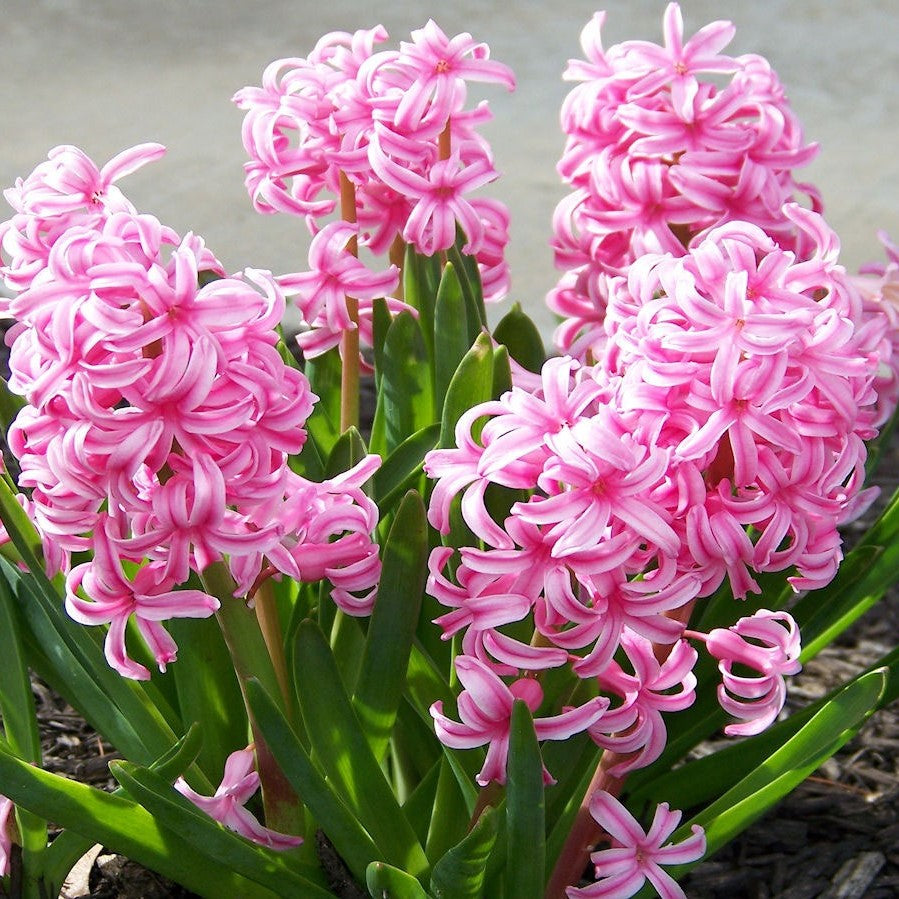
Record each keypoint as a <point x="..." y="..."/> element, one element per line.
<point x="391" y="629"/>
<point x="118" y="708"/>
<point x="525" y="809"/>
<point x="121" y="825"/>
<point x="832" y="727"/>
<point x="214" y="842"/>
<point x="344" y="831"/>
<point x="460" y="873"/>
<point x="343" y="753"/>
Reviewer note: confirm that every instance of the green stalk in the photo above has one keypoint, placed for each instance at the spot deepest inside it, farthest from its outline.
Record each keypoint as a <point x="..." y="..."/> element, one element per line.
<point x="349" y="341"/>
<point x="251" y="658"/>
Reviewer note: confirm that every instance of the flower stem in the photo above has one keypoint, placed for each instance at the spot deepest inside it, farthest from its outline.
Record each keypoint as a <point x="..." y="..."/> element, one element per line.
<point x="349" y="341"/>
<point x="585" y="833"/>
<point x="397" y="256"/>
<point x="270" y="625"/>
<point x="251" y="658"/>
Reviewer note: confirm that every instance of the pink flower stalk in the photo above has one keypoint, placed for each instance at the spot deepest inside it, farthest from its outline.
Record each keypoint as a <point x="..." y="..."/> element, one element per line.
<point x="7" y="809"/>
<point x="485" y="707"/>
<point x="377" y="118"/>
<point x="766" y="644"/>
<point x="160" y="420"/>
<point x="227" y="805"/>
<point x="637" y="855"/>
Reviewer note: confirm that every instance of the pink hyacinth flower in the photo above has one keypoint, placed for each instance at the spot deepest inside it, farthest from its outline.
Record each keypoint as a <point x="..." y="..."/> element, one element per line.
<point x="114" y="599"/>
<point x="767" y="643"/>
<point x="637" y="855"/>
<point x="239" y="783"/>
<point x="335" y="273"/>
<point x="678" y="63"/>
<point x="485" y="707"/>
<point x="438" y="68"/>
<point x="439" y="198"/>
<point x="70" y="181"/>
<point x="6" y="810"/>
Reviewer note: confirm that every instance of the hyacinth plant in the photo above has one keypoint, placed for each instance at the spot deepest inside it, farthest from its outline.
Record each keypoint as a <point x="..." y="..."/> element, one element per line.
<point x="467" y="653"/>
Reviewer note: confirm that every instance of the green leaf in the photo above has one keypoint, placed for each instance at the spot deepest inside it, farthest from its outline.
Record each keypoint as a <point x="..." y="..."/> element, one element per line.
<point x="386" y="882"/>
<point x="208" y="690"/>
<point x="470" y="281"/>
<point x="349" y="450"/>
<point x="525" y="809"/>
<point x="391" y="628"/>
<point x="519" y="333"/>
<point x="222" y="848"/>
<point x="323" y="425"/>
<point x="421" y="278"/>
<point x="343" y="753"/>
<point x="830" y="728"/>
<point x="401" y="468"/>
<point x="461" y="872"/>
<point x="471" y="384"/>
<point x="118" y="708"/>
<point x="348" y="836"/>
<point x="17" y="710"/>
<point x="449" y="815"/>
<point x="10" y="406"/>
<point x="405" y="399"/>
<point x="451" y="332"/>
<point x="122" y="826"/>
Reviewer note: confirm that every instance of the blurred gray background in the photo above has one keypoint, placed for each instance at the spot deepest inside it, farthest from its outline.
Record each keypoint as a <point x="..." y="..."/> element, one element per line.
<point x="106" y="74"/>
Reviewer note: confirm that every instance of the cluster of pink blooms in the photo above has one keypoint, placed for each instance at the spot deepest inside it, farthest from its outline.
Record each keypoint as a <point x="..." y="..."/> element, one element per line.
<point x="707" y="425"/>
<point x="160" y="414"/>
<point x="665" y="143"/>
<point x="719" y="435"/>
<point x="394" y="124"/>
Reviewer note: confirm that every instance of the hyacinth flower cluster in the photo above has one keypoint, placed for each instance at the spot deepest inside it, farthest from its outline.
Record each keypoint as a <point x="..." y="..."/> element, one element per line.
<point x="604" y="526"/>
<point x="160" y="415"/>
<point x="388" y="133"/>
<point x="664" y="143"/>
<point x="720" y="436"/>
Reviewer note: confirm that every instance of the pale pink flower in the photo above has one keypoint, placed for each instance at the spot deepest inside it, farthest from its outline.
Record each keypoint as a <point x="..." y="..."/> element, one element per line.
<point x="677" y="64"/>
<point x="636" y="726"/>
<point x="69" y="181"/>
<point x="321" y="293"/>
<point x="6" y="811"/>
<point x="114" y="599"/>
<point x="436" y="69"/>
<point x="485" y="707"/>
<point x="439" y="196"/>
<point x="637" y="855"/>
<point x="767" y="644"/>
<point x="227" y="805"/>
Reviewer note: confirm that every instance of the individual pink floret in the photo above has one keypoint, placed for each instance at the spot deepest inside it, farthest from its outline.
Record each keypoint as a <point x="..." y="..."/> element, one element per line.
<point x="149" y="597"/>
<point x="485" y="709"/>
<point x="227" y="806"/>
<point x="637" y="855"/>
<point x="766" y="643"/>
<point x="7" y="809"/>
